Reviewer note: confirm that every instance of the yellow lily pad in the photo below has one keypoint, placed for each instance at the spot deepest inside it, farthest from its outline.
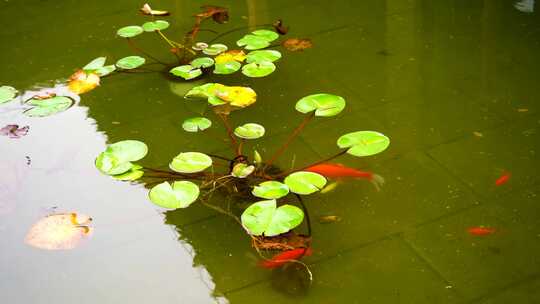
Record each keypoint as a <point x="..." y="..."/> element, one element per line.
<point x="81" y="82"/>
<point x="232" y="55"/>
<point x="237" y="96"/>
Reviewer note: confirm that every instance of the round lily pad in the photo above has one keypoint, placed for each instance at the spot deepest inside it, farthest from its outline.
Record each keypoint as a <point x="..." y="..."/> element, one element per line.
<point x="364" y="143"/>
<point x="266" y="34"/>
<point x="130" y="31"/>
<point x="130" y="62"/>
<point x="270" y="190"/>
<point x="7" y="93"/>
<point x="324" y="105"/>
<point x="180" y="195"/>
<point x="303" y="182"/>
<point x="215" y="49"/>
<point x="106" y="70"/>
<point x="258" y="69"/>
<point x="242" y="170"/>
<point x="206" y="91"/>
<point x="263" y="55"/>
<point x="186" y="71"/>
<point x="264" y="218"/>
<point x="253" y="42"/>
<point x="196" y="124"/>
<point x="249" y="131"/>
<point x="202" y="62"/>
<point x="190" y="162"/>
<point x="49" y="106"/>
<point x="157" y="25"/>
<point x="109" y="164"/>
<point x="227" y="67"/>
<point x="94" y="64"/>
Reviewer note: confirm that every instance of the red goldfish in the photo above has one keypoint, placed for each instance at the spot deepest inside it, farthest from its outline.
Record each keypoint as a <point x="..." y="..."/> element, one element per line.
<point x="339" y="171"/>
<point x="481" y="231"/>
<point x="285" y="257"/>
<point x="503" y="179"/>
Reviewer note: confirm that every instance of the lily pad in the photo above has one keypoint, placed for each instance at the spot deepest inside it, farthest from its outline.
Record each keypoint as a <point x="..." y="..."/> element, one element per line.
<point x="82" y="81"/>
<point x="206" y="91"/>
<point x="303" y="182"/>
<point x="364" y="143"/>
<point x="130" y="31"/>
<point x="7" y="93"/>
<point x="324" y="105"/>
<point x="215" y="49"/>
<point x="132" y="174"/>
<point x="227" y="67"/>
<point x="263" y="55"/>
<point x="157" y="25"/>
<point x="253" y="42"/>
<point x="186" y="71"/>
<point x="130" y="62"/>
<point x="258" y="69"/>
<point x="49" y="106"/>
<point x="270" y="190"/>
<point x="117" y="158"/>
<point x="232" y="55"/>
<point x="180" y="195"/>
<point x="196" y="124"/>
<point x="190" y="162"/>
<point x="266" y="34"/>
<point x="249" y="131"/>
<point x="106" y="70"/>
<point x="242" y="170"/>
<point x="202" y="62"/>
<point x="95" y="64"/>
<point x="264" y="217"/>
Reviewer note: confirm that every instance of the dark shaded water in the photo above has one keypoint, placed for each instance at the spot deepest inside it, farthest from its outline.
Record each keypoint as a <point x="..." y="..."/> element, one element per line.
<point x="454" y="84"/>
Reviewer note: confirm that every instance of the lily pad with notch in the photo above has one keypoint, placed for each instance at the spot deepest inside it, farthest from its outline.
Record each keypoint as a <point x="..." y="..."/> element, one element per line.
<point x="270" y="190"/>
<point x="130" y="31"/>
<point x="249" y="131"/>
<point x="132" y="174"/>
<point x="130" y="62"/>
<point x="190" y="162"/>
<point x="186" y="71"/>
<point x="265" y="218"/>
<point x="180" y="195"/>
<point x="258" y="69"/>
<point x="303" y="182"/>
<point x="364" y="143"/>
<point x="202" y="62"/>
<point x="117" y="157"/>
<point x="226" y="68"/>
<point x="206" y="91"/>
<point x="48" y="106"/>
<point x="324" y="105"/>
<point x="95" y="64"/>
<point x="253" y="42"/>
<point x="196" y="124"/>
<point x="152" y="26"/>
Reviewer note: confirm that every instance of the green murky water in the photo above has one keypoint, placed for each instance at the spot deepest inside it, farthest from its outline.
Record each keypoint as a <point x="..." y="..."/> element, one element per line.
<point x="454" y="84"/>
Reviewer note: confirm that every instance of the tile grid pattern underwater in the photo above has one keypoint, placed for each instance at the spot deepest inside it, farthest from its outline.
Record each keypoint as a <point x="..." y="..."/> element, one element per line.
<point x="454" y="133"/>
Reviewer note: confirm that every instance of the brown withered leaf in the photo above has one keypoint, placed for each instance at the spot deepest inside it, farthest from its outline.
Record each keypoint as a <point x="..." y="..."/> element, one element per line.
<point x="282" y="242"/>
<point x="219" y="14"/>
<point x="297" y="44"/>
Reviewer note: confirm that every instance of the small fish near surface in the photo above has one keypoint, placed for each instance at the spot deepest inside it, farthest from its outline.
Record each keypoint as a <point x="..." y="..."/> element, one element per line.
<point x="341" y="171"/>
<point x="503" y="179"/>
<point x="282" y="258"/>
<point x="481" y="231"/>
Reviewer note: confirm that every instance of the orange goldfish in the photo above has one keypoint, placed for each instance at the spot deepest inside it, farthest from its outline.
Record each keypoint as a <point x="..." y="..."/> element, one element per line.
<point x="503" y="179"/>
<point x="481" y="231"/>
<point x="285" y="257"/>
<point x="341" y="171"/>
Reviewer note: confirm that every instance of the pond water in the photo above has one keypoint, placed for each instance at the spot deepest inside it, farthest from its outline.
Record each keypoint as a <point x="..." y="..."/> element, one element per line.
<point x="453" y="84"/>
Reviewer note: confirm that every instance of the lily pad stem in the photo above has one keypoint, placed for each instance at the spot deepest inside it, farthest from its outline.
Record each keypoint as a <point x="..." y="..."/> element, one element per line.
<point x="225" y="120"/>
<point x="289" y="140"/>
<point x="308" y="222"/>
